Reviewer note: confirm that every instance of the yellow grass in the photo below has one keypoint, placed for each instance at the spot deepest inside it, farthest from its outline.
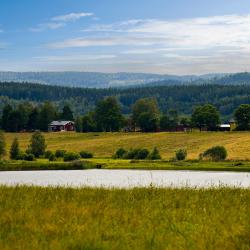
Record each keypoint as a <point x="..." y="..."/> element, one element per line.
<point x="105" y="144"/>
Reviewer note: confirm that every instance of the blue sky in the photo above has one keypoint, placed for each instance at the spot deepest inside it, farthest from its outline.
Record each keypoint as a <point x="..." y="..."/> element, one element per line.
<point x="153" y="36"/>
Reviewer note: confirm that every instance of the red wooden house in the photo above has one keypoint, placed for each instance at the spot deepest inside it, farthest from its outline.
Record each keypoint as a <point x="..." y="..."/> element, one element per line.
<point x="58" y="126"/>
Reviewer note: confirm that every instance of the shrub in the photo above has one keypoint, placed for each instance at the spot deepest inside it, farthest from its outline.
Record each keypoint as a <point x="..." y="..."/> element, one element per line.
<point x="29" y="157"/>
<point x="138" y="154"/>
<point x="217" y="153"/>
<point x="120" y="153"/>
<point x="52" y="157"/>
<point x="154" y="155"/>
<point x="70" y="156"/>
<point x="21" y="155"/>
<point x="141" y="154"/>
<point x="86" y="155"/>
<point x="47" y="154"/>
<point x="60" y="153"/>
<point x="181" y="154"/>
<point x="131" y="154"/>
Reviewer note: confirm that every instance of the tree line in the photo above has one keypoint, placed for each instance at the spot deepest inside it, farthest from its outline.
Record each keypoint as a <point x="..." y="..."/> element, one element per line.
<point x="29" y="117"/>
<point x="146" y="116"/>
<point x="107" y="116"/>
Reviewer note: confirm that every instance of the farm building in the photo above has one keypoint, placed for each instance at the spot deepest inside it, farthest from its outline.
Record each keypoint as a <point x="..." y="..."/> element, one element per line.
<point x="57" y="126"/>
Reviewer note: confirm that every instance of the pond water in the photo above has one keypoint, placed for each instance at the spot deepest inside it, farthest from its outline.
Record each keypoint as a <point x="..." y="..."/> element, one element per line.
<point x="125" y="178"/>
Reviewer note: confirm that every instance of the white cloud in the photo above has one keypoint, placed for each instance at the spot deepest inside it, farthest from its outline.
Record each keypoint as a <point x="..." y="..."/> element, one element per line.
<point x="71" y="17"/>
<point x="111" y="41"/>
<point x="182" y="46"/>
<point x="229" y="30"/>
<point x="59" y="21"/>
<point x="74" y="58"/>
<point x="46" y="26"/>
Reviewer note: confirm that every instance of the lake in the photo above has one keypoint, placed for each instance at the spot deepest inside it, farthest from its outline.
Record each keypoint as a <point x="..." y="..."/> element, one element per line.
<point x="125" y="178"/>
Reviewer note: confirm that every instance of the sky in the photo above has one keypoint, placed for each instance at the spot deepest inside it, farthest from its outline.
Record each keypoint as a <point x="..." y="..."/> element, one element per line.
<point x="147" y="36"/>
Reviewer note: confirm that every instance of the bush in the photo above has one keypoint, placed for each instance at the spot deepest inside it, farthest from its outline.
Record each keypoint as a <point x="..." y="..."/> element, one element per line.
<point x="21" y="155"/>
<point x="86" y="155"/>
<point x="154" y="155"/>
<point x="138" y="154"/>
<point x="52" y="157"/>
<point x="120" y="153"/>
<point x="70" y="156"/>
<point x="218" y="153"/>
<point x="141" y="154"/>
<point x="28" y="157"/>
<point x="48" y="154"/>
<point x="60" y="153"/>
<point x="181" y="154"/>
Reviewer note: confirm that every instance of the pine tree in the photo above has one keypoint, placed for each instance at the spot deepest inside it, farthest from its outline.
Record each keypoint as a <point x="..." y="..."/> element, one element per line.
<point x="37" y="144"/>
<point x="67" y="113"/>
<point x="2" y="145"/>
<point x="14" y="150"/>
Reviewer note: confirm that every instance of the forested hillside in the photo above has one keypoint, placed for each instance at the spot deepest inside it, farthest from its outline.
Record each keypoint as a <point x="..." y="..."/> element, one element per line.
<point x="99" y="80"/>
<point x="183" y="98"/>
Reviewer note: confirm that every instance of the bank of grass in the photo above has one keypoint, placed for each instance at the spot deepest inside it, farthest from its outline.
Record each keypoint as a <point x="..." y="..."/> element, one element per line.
<point x="108" y="163"/>
<point x="235" y="166"/>
<point x="105" y="144"/>
<point x="45" y="165"/>
<point x="60" y="218"/>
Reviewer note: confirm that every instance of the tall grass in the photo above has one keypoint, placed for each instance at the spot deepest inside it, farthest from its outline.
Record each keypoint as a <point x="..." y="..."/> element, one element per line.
<point x="65" y="218"/>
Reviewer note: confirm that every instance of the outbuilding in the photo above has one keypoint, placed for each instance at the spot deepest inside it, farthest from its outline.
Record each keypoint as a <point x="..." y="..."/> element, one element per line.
<point x="58" y="126"/>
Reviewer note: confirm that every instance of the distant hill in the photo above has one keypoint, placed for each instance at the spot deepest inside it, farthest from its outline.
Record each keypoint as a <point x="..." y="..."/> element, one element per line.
<point x="101" y="80"/>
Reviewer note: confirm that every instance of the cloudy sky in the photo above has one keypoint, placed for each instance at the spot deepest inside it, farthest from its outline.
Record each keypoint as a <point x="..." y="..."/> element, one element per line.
<point x="153" y="36"/>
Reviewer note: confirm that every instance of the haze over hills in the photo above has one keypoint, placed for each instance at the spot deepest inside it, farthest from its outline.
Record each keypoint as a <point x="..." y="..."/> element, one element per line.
<point x="101" y="80"/>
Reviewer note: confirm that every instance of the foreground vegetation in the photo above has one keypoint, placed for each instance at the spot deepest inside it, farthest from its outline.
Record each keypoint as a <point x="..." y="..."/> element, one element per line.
<point x="58" y="218"/>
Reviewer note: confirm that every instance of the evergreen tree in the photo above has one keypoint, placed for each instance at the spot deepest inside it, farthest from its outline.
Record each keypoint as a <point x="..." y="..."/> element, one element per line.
<point x="78" y="124"/>
<point x="14" y="121"/>
<point x="47" y="115"/>
<point x="242" y="116"/>
<point x="88" y="124"/>
<point x="37" y="144"/>
<point x="5" y="116"/>
<point x="14" y="150"/>
<point x="67" y="113"/>
<point x="2" y="145"/>
<point x="33" y="121"/>
<point x="25" y="110"/>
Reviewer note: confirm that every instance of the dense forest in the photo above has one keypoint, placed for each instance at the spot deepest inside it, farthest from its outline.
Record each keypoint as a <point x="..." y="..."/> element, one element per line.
<point x="183" y="98"/>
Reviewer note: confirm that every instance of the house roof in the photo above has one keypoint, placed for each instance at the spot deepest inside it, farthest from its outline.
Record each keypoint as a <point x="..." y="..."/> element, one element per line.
<point x="60" y="123"/>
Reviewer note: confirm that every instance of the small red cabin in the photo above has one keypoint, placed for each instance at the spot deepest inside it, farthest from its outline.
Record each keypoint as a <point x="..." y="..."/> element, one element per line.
<point x="58" y="126"/>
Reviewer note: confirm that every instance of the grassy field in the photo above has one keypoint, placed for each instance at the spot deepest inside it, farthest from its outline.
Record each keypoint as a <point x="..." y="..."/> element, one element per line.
<point x="105" y="144"/>
<point x="47" y="218"/>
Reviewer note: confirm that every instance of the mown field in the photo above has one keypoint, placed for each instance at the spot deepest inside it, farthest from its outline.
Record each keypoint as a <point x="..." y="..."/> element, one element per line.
<point x="105" y="144"/>
<point x="58" y="218"/>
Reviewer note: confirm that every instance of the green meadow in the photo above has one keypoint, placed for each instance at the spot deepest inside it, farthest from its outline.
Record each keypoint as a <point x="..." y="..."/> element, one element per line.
<point x="65" y="218"/>
<point x="104" y="145"/>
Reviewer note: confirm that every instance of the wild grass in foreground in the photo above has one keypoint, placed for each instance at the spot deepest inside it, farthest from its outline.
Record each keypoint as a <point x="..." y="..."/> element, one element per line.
<point x="58" y="218"/>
